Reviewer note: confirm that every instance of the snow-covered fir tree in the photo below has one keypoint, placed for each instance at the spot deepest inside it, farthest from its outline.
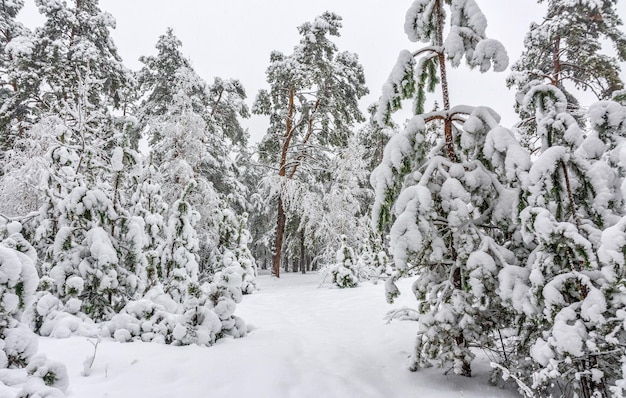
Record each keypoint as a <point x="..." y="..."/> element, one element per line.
<point x="445" y="185"/>
<point x="312" y="104"/>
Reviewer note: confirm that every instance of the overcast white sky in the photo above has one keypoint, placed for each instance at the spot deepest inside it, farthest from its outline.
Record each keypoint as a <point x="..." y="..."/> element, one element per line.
<point x="233" y="38"/>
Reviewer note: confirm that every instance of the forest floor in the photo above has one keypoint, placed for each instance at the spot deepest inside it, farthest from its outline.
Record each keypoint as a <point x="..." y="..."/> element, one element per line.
<point x="305" y="341"/>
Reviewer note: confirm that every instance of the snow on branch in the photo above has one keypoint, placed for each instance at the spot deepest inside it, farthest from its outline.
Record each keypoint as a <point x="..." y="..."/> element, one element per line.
<point x="400" y="85"/>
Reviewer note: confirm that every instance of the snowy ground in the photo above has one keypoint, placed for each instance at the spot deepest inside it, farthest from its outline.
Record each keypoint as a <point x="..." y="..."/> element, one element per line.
<point x="306" y="342"/>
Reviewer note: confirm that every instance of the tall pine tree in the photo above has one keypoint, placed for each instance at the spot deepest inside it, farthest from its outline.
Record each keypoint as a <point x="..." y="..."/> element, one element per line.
<point x="312" y="104"/>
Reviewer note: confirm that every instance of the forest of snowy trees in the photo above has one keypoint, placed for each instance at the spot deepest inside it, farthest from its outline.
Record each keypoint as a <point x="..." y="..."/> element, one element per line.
<point x="134" y="207"/>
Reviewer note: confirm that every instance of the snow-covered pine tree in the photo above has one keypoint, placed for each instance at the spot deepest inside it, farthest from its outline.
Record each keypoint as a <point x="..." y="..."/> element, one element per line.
<point x="18" y="344"/>
<point x="20" y="171"/>
<point x="564" y="311"/>
<point x="569" y="295"/>
<point x="129" y="229"/>
<point x="312" y="104"/>
<point x="260" y="215"/>
<point x="192" y="121"/>
<point x="184" y="238"/>
<point x="374" y="136"/>
<point x="179" y="309"/>
<point x="344" y="209"/>
<point x="75" y="43"/>
<point x="445" y="184"/>
<point x="220" y="105"/>
<point x="565" y="296"/>
<point x="83" y="229"/>
<point x="343" y="272"/>
<point x="233" y="248"/>
<point x="565" y="49"/>
<point x="179" y="256"/>
<point x="16" y="80"/>
<point x="148" y="204"/>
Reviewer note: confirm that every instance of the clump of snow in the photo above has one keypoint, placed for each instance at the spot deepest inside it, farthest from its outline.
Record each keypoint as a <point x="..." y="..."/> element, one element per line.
<point x="490" y="52"/>
<point x="416" y="23"/>
<point x="605" y="115"/>
<point x="117" y="159"/>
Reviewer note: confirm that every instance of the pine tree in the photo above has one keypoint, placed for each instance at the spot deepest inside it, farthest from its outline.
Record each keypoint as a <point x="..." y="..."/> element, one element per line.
<point x="75" y="44"/>
<point x="312" y="104"/>
<point x="260" y="217"/>
<point x="90" y="245"/>
<point x="565" y="50"/>
<point x="233" y="248"/>
<point x="220" y="105"/>
<point x="179" y="260"/>
<point x="193" y="127"/>
<point x="16" y="80"/>
<point x="564" y="296"/>
<point x="149" y="206"/>
<point x="571" y="287"/>
<point x="343" y="206"/>
<point x="343" y="272"/>
<point x="445" y="185"/>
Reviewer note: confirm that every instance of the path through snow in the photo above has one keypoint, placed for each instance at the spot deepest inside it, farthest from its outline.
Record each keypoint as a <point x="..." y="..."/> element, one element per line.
<point x="306" y="342"/>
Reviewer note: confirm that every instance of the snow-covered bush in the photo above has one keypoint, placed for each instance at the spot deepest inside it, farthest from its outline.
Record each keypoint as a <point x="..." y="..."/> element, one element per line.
<point x="205" y="315"/>
<point x="21" y="369"/>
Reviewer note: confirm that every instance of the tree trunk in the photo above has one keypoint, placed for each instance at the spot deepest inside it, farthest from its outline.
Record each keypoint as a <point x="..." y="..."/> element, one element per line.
<point x="281" y="220"/>
<point x="460" y="338"/>
<point x="456" y="276"/>
<point x="278" y="243"/>
<point x="302" y="255"/>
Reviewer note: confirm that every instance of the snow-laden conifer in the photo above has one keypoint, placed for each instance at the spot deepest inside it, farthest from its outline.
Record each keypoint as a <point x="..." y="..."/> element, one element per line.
<point x="566" y="49"/>
<point x="446" y="186"/>
<point x="312" y="104"/>
<point x="567" y="296"/>
<point x="16" y="79"/>
<point x="18" y="344"/>
<point x="343" y="272"/>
